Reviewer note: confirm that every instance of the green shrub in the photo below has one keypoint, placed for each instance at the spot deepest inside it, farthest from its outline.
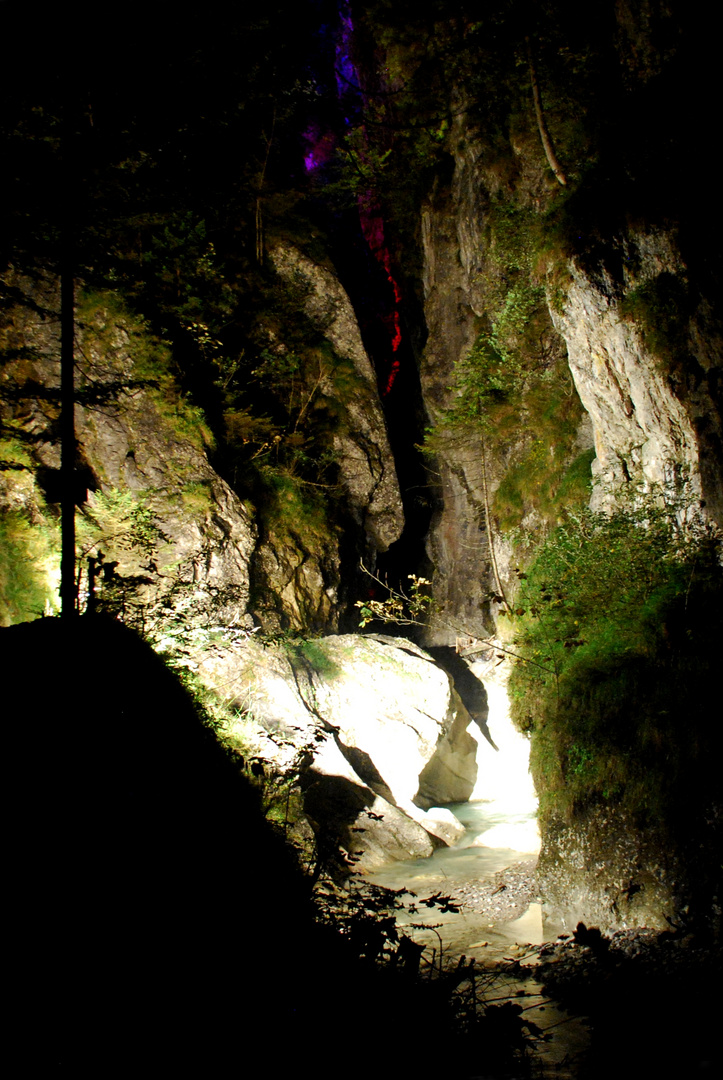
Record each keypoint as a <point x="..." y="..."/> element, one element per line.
<point x="618" y="623"/>
<point x="293" y="507"/>
<point x="543" y="478"/>
<point x="119" y="522"/>
<point x="27" y="552"/>
<point x="14" y="455"/>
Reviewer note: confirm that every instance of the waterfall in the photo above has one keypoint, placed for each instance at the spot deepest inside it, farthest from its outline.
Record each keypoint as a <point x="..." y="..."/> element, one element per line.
<point x="504" y="782"/>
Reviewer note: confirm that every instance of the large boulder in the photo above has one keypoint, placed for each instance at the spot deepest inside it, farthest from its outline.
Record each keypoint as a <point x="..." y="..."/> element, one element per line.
<point x="599" y="868"/>
<point x="371" y="725"/>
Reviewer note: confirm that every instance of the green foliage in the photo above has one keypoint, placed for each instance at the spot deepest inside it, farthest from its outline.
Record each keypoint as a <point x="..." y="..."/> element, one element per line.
<point x="517" y="236"/>
<point x="14" y="454"/>
<point x="293" y="507"/>
<point x="120" y="522"/>
<point x="182" y="261"/>
<point x="359" y="165"/>
<point x="543" y="477"/>
<point x="574" y="489"/>
<point x="279" y="370"/>
<point x="119" y="532"/>
<point x="27" y="551"/>
<point x="135" y="358"/>
<point x="247" y="431"/>
<point x="413" y="607"/>
<point x="618" y="620"/>
<point x="281" y="404"/>
<point x="517" y="343"/>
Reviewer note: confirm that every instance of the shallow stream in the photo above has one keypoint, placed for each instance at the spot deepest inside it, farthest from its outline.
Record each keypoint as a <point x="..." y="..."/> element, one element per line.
<point x="500" y="917"/>
<point x="500" y="830"/>
<point x="500" y="947"/>
<point x="471" y="861"/>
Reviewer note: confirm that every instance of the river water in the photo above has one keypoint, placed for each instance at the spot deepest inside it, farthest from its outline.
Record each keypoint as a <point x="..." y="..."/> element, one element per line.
<point x="481" y="853"/>
<point x="501" y="834"/>
<point x="500" y="830"/>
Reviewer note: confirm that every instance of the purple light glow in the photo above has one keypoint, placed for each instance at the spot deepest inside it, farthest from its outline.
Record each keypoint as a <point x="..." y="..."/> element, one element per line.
<point x="347" y="79"/>
<point x="321" y="147"/>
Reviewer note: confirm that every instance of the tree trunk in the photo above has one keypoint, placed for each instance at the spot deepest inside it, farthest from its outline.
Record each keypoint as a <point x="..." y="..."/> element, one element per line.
<point x="488" y="523"/>
<point x="542" y="126"/>
<point x="68" y="587"/>
<point x="67" y="440"/>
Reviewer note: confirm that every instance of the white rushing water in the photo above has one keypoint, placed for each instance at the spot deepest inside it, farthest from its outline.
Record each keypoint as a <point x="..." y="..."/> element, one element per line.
<point x="500" y="829"/>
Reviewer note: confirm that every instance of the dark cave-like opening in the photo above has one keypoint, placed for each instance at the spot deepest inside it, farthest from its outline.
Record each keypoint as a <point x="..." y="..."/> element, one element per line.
<point x="373" y="297"/>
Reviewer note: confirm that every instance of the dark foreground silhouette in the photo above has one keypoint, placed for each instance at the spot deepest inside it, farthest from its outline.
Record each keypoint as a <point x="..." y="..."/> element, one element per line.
<point x="134" y="921"/>
<point x="153" y="920"/>
<point x="154" y="923"/>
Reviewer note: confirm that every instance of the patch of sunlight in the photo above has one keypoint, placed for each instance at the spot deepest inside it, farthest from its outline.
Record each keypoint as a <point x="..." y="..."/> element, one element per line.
<point x="523" y="837"/>
<point x="527" y="929"/>
<point x="503" y="774"/>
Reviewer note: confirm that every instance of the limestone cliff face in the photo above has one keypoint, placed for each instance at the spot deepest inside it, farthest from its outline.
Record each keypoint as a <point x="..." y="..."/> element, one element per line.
<point x="361" y="445"/>
<point x="458" y="544"/>
<point x="650" y="425"/>
<point x="137" y="439"/>
<point x="298" y="578"/>
<point x="642" y="350"/>
<point x="138" y="436"/>
<point x="657" y="424"/>
<point x="298" y="575"/>
<point x="464" y="286"/>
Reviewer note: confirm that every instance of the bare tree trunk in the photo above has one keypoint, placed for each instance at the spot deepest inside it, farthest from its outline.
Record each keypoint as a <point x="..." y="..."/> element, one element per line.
<point x="259" y="232"/>
<point x="262" y="177"/>
<point x="488" y="523"/>
<point x="68" y="587"/>
<point x="67" y="435"/>
<point x="542" y="126"/>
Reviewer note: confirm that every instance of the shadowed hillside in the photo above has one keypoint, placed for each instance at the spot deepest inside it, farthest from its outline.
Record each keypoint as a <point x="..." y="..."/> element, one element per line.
<point x="140" y="864"/>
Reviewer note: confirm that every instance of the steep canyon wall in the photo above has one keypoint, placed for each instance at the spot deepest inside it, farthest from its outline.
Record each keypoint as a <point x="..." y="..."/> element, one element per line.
<point x="616" y="389"/>
<point x="234" y="453"/>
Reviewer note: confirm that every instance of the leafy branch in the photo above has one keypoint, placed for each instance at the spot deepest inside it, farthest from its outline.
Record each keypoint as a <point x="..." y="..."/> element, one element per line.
<point x="416" y="607"/>
<point x="412" y="608"/>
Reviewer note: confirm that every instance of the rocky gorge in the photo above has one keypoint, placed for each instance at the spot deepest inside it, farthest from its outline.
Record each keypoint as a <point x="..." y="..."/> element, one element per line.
<point x="364" y="391"/>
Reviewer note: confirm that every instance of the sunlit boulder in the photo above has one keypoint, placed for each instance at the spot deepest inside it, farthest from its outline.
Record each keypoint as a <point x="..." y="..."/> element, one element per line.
<point x="372" y="727"/>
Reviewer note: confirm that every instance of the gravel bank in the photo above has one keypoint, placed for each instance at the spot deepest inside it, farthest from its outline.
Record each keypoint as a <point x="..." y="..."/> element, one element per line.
<point x="505" y="896"/>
